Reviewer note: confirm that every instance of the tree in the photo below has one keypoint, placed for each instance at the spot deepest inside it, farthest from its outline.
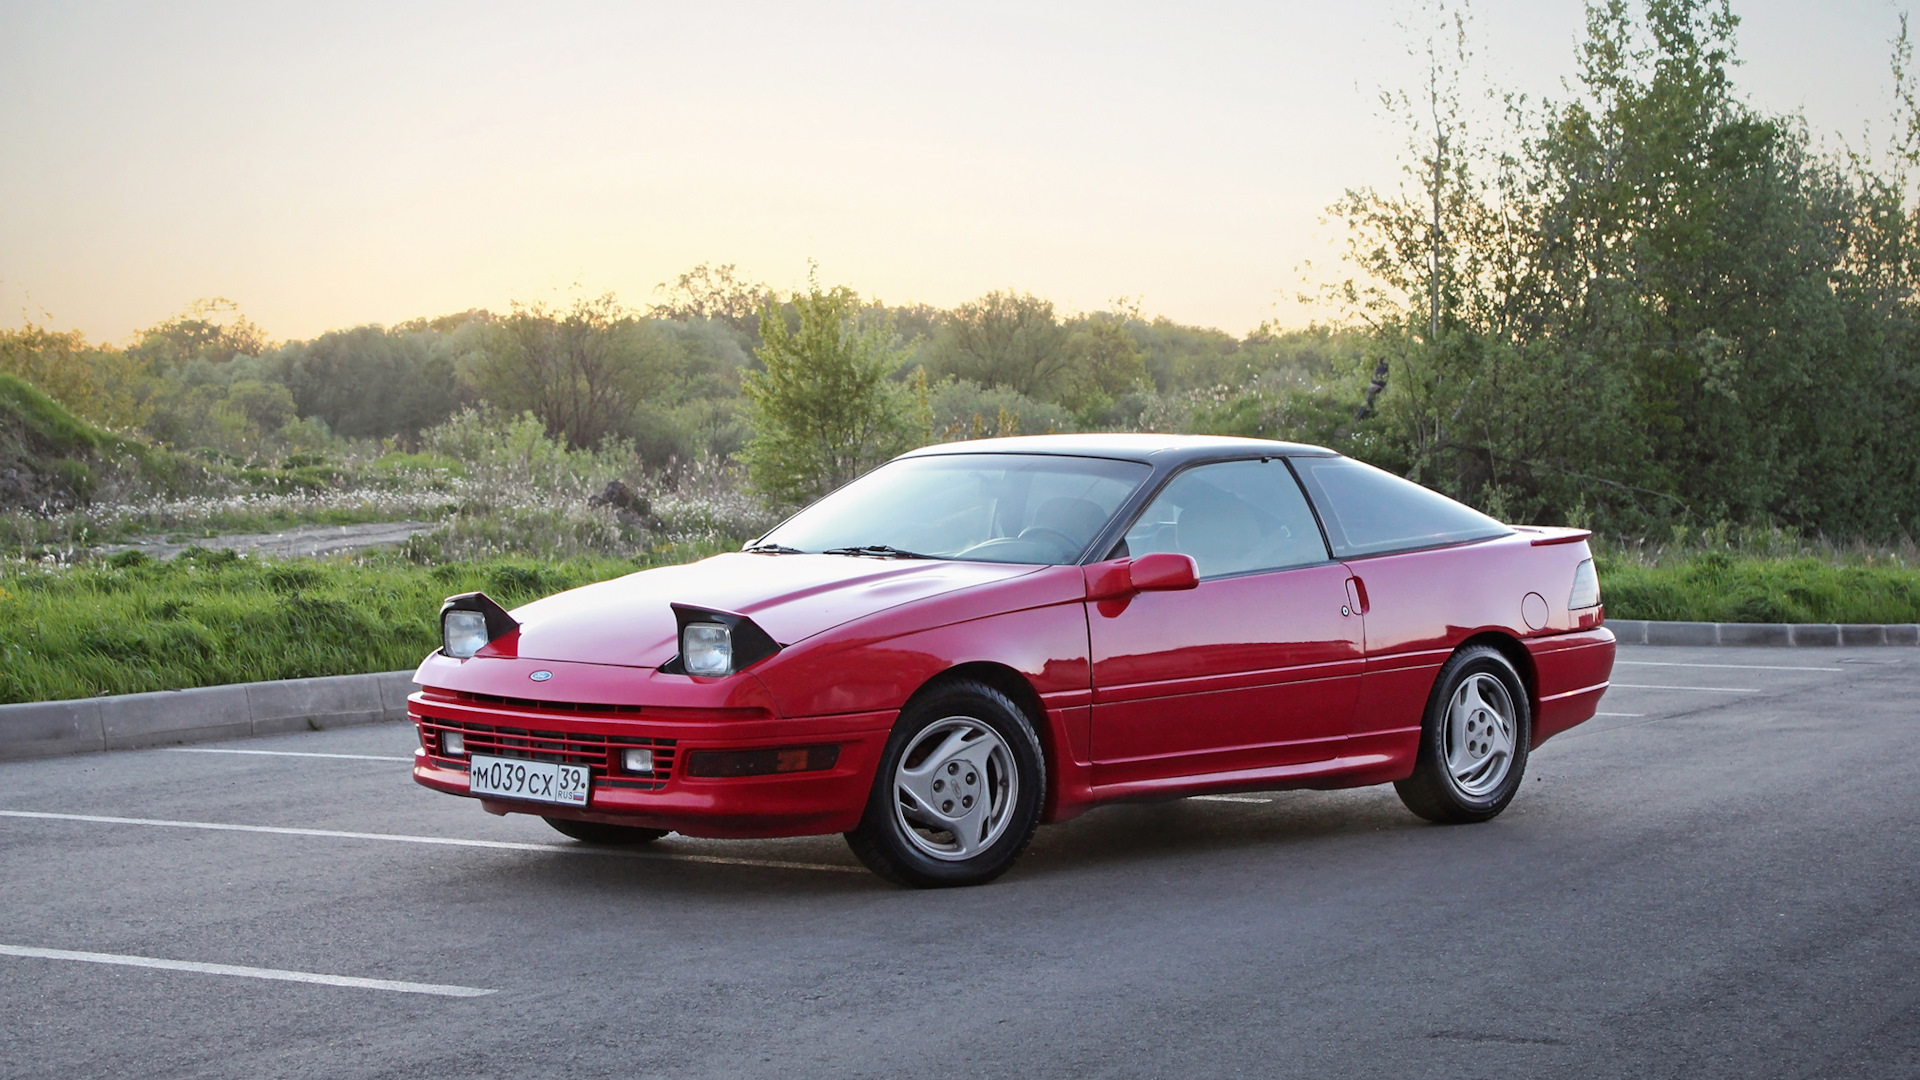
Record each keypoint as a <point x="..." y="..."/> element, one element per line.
<point x="712" y="292"/>
<point x="105" y="386"/>
<point x="1649" y="303"/>
<point x="1005" y="339"/>
<point x="369" y="383"/>
<point x="212" y="330"/>
<point x="582" y="371"/>
<point x="825" y="409"/>
<point x="1107" y="362"/>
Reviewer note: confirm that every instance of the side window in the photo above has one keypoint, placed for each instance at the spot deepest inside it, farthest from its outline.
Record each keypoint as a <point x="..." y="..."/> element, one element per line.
<point x="1368" y="510"/>
<point x="1233" y="518"/>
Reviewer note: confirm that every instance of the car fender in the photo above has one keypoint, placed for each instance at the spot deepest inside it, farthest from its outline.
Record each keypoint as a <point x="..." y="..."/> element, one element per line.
<point x="867" y="667"/>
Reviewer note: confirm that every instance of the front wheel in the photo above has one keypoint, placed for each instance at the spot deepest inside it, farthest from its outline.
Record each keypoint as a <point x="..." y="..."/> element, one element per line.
<point x="958" y="793"/>
<point x="1473" y="744"/>
<point x="599" y="832"/>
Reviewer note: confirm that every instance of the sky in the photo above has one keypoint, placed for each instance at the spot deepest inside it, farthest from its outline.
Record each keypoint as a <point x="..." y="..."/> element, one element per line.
<point x="328" y="165"/>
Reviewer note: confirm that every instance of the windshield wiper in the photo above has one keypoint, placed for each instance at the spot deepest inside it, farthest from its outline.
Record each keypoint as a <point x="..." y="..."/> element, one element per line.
<point x="772" y="549"/>
<point x="882" y="551"/>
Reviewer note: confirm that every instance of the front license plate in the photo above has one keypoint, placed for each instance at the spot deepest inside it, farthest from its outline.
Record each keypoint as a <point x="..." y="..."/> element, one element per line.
<point x="536" y="781"/>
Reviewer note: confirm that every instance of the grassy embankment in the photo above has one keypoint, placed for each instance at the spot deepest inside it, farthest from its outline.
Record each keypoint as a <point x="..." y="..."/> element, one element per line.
<point x="1770" y="578"/>
<point x="131" y="624"/>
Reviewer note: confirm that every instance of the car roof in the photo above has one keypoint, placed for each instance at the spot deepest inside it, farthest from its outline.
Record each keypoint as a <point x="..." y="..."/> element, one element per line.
<point x="1150" y="448"/>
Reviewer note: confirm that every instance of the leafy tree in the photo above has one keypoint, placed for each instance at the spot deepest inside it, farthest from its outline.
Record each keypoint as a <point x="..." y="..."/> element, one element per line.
<point x="105" y="386"/>
<point x="369" y="383"/>
<point x="1180" y="357"/>
<point x="582" y="371"/>
<point x="212" y="330"/>
<point x="1005" y="339"/>
<point x="1106" y="362"/>
<point x="713" y="292"/>
<point x="824" y="409"/>
<point x="1651" y="304"/>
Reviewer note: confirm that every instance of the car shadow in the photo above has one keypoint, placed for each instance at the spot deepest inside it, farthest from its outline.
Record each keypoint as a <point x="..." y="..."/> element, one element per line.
<point x="1144" y="832"/>
<point x="1125" y="835"/>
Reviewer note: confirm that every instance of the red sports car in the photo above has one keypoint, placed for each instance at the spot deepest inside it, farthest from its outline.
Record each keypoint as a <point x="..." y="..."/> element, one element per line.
<point x="977" y="638"/>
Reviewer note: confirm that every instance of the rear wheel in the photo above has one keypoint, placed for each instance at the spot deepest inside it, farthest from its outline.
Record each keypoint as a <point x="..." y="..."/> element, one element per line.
<point x="958" y="792"/>
<point x="597" y="832"/>
<point x="1473" y="744"/>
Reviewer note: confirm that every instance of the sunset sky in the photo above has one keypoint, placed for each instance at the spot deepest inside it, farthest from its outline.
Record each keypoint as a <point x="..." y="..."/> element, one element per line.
<point x="326" y="165"/>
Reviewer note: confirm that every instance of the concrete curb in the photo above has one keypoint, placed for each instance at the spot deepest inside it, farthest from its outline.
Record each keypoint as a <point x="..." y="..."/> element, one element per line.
<point x="1644" y="632"/>
<point x="125" y="721"/>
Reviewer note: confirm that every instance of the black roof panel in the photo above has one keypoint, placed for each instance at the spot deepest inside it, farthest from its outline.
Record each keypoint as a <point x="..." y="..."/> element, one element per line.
<point x="1149" y="448"/>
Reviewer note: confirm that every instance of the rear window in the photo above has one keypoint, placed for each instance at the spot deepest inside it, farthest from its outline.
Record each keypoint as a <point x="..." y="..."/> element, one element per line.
<point x="1368" y="511"/>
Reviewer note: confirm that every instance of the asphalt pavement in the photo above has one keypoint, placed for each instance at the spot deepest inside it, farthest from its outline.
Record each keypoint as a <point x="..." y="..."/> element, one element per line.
<point x="1715" y="878"/>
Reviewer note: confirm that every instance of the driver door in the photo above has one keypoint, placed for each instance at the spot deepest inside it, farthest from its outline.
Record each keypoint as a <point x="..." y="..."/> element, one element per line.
<point x="1255" y="668"/>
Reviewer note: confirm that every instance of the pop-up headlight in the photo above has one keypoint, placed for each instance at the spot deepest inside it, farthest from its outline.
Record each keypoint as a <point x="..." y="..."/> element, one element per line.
<point x="463" y="633"/>
<point x="714" y="643"/>
<point x="469" y="621"/>
<point x="707" y="649"/>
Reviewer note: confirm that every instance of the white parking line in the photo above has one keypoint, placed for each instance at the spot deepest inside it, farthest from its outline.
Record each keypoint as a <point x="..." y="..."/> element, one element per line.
<point x="1619" y="714"/>
<point x="1711" y="689"/>
<point x="281" y="753"/>
<point x="1229" y="798"/>
<point x="402" y="838"/>
<point x="437" y="989"/>
<point x="1742" y="667"/>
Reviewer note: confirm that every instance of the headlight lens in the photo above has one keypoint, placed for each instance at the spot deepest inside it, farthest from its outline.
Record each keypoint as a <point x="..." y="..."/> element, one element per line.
<point x="706" y="649"/>
<point x="463" y="633"/>
<point x="1586" y="587"/>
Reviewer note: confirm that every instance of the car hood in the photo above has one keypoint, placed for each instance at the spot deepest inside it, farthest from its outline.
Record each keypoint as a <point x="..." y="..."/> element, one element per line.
<point x="628" y="621"/>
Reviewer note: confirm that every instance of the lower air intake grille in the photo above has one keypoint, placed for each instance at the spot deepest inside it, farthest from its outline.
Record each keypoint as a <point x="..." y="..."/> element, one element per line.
<point x="599" y="753"/>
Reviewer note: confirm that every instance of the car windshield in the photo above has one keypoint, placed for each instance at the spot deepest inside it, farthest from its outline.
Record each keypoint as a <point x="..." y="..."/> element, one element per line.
<point x="1009" y="508"/>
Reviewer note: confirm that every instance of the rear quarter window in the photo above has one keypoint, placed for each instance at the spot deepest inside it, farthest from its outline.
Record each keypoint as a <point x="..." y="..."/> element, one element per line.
<point x="1369" y="511"/>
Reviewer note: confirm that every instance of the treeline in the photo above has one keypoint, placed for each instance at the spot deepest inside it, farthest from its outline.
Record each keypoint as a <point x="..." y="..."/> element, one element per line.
<point x="668" y="380"/>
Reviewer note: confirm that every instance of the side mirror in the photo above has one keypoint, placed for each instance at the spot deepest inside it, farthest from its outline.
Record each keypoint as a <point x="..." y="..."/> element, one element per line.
<point x="1160" y="571"/>
<point x="1163" y="571"/>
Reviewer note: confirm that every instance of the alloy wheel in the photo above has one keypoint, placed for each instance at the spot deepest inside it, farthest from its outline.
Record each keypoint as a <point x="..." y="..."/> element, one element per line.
<point x="955" y="789"/>
<point x="1479" y="735"/>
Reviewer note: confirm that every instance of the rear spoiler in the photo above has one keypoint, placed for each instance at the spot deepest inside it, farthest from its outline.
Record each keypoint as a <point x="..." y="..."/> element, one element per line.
<point x="1554" y="536"/>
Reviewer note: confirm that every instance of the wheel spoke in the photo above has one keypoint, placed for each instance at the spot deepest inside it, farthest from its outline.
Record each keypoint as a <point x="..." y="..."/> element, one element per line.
<point x="1469" y="700"/>
<point x="1501" y="731"/>
<point x="956" y="742"/>
<point x="1471" y="773"/>
<point x="916" y="804"/>
<point x="969" y="828"/>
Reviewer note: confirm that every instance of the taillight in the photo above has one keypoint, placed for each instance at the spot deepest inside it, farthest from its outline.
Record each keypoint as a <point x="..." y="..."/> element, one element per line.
<point x="1586" y="587"/>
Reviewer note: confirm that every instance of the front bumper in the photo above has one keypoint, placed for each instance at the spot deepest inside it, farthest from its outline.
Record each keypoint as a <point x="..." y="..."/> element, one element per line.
<point x="781" y="804"/>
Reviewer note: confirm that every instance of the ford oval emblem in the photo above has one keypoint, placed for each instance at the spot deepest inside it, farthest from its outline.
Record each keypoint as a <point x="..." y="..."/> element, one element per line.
<point x="541" y="676"/>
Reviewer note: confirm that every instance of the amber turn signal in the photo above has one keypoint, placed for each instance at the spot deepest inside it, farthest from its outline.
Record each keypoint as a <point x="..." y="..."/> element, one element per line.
<point x="786" y="759"/>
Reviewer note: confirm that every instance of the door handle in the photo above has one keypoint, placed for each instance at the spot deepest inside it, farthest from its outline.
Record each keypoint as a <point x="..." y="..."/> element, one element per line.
<point x="1356" y="596"/>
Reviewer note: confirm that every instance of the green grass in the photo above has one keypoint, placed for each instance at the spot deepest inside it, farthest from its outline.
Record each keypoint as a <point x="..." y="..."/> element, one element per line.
<point x="130" y="624"/>
<point x="1716" y="586"/>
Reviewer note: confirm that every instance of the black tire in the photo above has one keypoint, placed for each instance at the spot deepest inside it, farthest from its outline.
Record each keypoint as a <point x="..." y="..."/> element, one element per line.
<point x="890" y="843"/>
<point x="599" y="832"/>
<point x="1455" y="794"/>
